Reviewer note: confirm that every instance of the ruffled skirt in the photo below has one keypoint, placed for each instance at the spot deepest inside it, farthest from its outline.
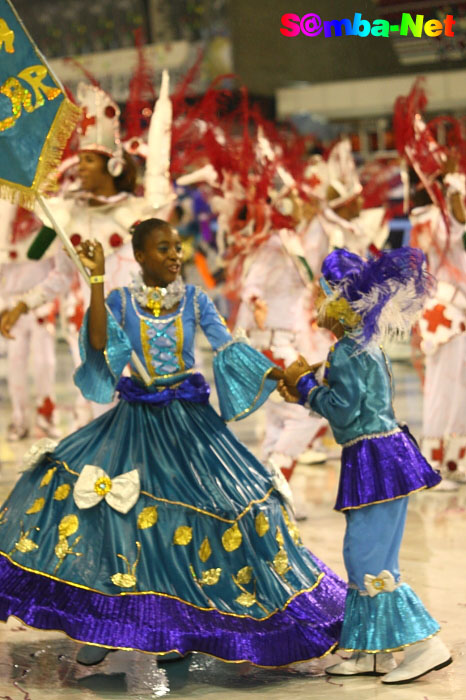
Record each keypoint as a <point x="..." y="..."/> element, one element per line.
<point x="154" y="528"/>
<point x="378" y="469"/>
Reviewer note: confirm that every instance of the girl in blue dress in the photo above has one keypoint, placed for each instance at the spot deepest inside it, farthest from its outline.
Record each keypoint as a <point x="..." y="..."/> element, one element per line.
<point x="381" y="464"/>
<point x="153" y="528"/>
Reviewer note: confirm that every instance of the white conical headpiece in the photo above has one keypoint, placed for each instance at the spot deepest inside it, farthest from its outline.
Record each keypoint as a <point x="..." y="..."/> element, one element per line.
<point x="99" y="129"/>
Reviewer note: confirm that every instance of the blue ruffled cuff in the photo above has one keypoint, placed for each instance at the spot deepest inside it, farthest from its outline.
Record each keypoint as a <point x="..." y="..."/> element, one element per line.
<point x="373" y="624"/>
<point x="100" y="370"/>
<point x="305" y="386"/>
<point x="241" y="378"/>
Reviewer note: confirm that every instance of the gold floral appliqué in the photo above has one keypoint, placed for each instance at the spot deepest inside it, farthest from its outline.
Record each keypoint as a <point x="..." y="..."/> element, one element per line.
<point x="183" y="535"/>
<point x="232" y="538"/>
<point x="205" y="550"/>
<point x="36" y="506"/>
<point x="129" y="579"/>
<point x="247" y="598"/>
<point x="47" y="478"/>
<point x="262" y="524"/>
<point x="24" y="544"/>
<point x="67" y="527"/>
<point x="147" y="517"/>
<point x="292" y="527"/>
<point x="62" y="492"/>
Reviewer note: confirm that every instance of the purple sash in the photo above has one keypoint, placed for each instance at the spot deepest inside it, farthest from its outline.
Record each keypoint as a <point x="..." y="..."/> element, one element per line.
<point x="194" y="388"/>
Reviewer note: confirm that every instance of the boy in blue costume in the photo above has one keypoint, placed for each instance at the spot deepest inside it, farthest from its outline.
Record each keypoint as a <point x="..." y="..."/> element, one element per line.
<point x="153" y="528"/>
<point x="381" y="463"/>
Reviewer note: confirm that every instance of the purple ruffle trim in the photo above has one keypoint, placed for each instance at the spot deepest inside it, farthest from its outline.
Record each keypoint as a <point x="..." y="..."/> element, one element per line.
<point x="382" y="468"/>
<point x="307" y="628"/>
<point x="194" y="388"/>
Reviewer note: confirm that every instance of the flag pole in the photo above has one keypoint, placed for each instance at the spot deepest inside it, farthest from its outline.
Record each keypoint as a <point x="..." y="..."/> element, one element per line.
<point x="77" y="261"/>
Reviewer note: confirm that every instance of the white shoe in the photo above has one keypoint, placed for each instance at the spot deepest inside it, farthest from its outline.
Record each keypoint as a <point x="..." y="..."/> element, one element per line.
<point x="301" y="513"/>
<point x="447" y="485"/>
<point x="45" y="428"/>
<point x="362" y="664"/>
<point x="420" y="658"/>
<point x="312" y="457"/>
<point x="15" y="433"/>
<point x="457" y="477"/>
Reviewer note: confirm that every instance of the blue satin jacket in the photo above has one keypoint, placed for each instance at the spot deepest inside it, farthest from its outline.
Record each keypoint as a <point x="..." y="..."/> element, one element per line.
<point x="356" y="396"/>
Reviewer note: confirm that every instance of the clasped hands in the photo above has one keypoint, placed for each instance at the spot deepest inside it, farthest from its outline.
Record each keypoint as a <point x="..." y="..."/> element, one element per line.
<point x="287" y="386"/>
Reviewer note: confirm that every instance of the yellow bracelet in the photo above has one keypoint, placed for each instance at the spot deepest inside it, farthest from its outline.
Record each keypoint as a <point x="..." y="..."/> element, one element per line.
<point x="97" y="279"/>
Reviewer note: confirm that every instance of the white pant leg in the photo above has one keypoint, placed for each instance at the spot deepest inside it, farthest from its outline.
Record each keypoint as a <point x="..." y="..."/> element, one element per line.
<point x="444" y="408"/>
<point x="43" y="360"/>
<point x="274" y="424"/>
<point x="290" y="429"/>
<point x="18" y="354"/>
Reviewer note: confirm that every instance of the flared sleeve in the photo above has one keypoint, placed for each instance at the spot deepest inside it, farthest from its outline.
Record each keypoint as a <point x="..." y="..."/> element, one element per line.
<point x="240" y="371"/>
<point x="100" y="370"/>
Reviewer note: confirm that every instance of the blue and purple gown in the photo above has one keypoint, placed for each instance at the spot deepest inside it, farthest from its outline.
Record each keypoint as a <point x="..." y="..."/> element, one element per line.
<point x="381" y="466"/>
<point x="153" y="528"/>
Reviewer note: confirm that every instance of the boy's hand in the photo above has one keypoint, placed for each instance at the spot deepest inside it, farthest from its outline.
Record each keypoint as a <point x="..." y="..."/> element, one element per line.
<point x="295" y="371"/>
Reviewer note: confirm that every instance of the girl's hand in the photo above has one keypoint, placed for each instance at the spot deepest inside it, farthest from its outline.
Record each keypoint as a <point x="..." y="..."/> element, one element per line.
<point x="276" y="373"/>
<point x="92" y="256"/>
<point x="290" y="394"/>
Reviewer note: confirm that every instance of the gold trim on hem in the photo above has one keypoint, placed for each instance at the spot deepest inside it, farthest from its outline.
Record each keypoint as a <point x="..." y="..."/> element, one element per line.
<point x="381" y="651"/>
<point x="165" y="595"/>
<point x="372" y="436"/>
<point x="385" y="500"/>
<point x="171" y="651"/>
<point x="256" y="398"/>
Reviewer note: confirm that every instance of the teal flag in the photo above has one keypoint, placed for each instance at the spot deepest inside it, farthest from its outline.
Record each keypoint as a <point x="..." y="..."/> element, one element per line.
<point x="36" y="118"/>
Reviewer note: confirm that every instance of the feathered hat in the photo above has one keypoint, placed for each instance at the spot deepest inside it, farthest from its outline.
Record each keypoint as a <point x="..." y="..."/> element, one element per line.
<point x="99" y="129"/>
<point x="378" y="297"/>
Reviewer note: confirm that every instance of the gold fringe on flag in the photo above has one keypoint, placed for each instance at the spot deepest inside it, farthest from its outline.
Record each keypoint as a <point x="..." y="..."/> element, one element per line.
<point x="65" y="122"/>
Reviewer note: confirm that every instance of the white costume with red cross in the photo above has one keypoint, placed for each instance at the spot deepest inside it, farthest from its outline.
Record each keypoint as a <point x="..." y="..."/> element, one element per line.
<point x="276" y="275"/>
<point x="34" y="335"/>
<point x="443" y="332"/>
